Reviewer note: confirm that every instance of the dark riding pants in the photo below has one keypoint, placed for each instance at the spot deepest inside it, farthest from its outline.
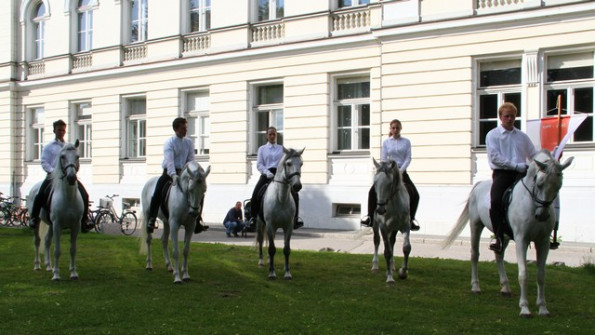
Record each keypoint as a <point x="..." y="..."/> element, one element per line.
<point x="255" y="200"/>
<point x="43" y="193"/>
<point x="501" y="181"/>
<point x="157" y="198"/>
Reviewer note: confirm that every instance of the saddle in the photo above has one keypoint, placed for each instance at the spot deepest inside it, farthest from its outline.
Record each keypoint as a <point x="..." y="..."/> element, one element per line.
<point x="255" y="212"/>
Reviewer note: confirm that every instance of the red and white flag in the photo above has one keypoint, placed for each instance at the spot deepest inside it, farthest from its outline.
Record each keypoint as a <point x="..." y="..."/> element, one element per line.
<point x="553" y="132"/>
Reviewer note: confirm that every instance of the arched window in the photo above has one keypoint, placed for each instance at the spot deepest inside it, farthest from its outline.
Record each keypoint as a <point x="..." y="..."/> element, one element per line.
<point x="85" y="24"/>
<point x="38" y="22"/>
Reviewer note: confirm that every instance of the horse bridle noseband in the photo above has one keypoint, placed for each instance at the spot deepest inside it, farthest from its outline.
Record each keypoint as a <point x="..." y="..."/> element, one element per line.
<point x="287" y="178"/>
<point x="541" y="203"/>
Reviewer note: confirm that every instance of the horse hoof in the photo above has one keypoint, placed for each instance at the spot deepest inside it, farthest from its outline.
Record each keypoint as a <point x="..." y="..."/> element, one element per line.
<point x="526" y="315"/>
<point x="506" y="294"/>
<point x="177" y="281"/>
<point x="186" y="279"/>
<point x="74" y="278"/>
<point x="478" y="292"/>
<point x="149" y="269"/>
<point x="402" y="274"/>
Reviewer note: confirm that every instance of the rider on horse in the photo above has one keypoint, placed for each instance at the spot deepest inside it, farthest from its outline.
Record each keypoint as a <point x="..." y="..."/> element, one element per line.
<point x="509" y="150"/>
<point x="269" y="155"/>
<point x="177" y="151"/>
<point x="48" y="162"/>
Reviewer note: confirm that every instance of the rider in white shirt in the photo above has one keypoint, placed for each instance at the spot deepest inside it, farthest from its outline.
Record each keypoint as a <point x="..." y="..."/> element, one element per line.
<point x="48" y="162"/>
<point x="177" y="151"/>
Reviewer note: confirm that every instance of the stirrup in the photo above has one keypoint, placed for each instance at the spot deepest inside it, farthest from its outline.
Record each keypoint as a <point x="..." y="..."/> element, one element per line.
<point x="366" y="221"/>
<point x="554" y="245"/>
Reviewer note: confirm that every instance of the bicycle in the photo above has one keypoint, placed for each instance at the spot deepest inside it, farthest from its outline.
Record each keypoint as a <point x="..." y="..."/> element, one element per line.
<point x="21" y="215"/>
<point x="7" y="210"/>
<point x="107" y="214"/>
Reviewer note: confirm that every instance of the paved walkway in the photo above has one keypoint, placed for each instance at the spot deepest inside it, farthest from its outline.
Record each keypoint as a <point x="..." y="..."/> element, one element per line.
<point x="426" y="246"/>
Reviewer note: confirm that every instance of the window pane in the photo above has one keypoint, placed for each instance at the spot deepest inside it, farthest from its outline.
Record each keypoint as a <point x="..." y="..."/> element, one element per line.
<point x="484" y="128"/>
<point x="270" y="94"/>
<point x="344" y="116"/>
<point x="515" y="98"/>
<point x="500" y="73"/>
<point x="583" y="102"/>
<point x="344" y="139"/>
<point x="354" y="90"/>
<point x="552" y="102"/>
<point x="263" y="10"/>
<point x="142" y="143"/>
<point x="570" y="67"/>
<point x="488" y="106"/>
<point x="280" y="9"/>
<point x="364" y="115"/>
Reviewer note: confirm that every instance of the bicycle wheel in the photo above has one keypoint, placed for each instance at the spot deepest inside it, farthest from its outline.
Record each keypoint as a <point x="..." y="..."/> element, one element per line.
<point x="24" y="217"/>
<point x="128" y="223"/>
<point x="101" y="221"/>
<point x="6" y="216"/>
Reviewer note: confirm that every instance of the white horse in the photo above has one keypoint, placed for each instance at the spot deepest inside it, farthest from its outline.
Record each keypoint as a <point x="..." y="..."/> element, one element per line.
<point x="531" y="218"/>
<point x="183" y="204"/>
<point x="279" y="208"/>
<point x="391" y="216"/>
<point x="65" y="210"/>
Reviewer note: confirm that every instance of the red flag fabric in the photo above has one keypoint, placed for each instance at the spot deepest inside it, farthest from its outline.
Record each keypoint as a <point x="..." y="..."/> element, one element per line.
<point x="552" y="130"/>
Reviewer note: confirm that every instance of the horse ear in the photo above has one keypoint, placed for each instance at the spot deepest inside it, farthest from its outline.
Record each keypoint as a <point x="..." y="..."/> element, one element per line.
<point x="207" y="171"/>
<point x="542" y="165"/>
<point x="567" y="162"/>
<point x="302" y="151"/>
<point x="285" y="150"/>
<point x="376" y="164"/>
<point x="76" y="143"/>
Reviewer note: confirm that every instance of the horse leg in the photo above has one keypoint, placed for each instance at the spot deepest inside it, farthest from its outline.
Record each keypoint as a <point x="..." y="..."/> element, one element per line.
<point x="259" y="240"/>
<point x="187" y="240"/>
<point x="504" y="282"/>
<point x="36" y="243"/>
<point x="73" y="274"/>
<point x="542" y="249"/>
<point x="148" y="240"/>
<point x="272" y="250"/>
<point x="164" y="244"/>
<point x="406" y="251"/>
<point x="521" y="254"/>
<point x="376" y="244"/>
<point x="176" y="253"/>
<point x="476" y="230"/>
<point x="388" y="256"/>
<point x="47" y="246"/>
<point x="57" y="252"/>
<point x="286" y="252"/>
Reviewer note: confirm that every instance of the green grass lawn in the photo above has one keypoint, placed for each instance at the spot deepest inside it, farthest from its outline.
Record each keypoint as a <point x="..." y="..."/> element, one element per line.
<point x="331" y="293"/>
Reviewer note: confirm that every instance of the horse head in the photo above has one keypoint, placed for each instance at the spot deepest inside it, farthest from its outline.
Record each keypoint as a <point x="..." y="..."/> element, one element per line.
<point x="545" y="175"/>
<point x="67" y="164"/>
<point x="289" y="170"/>
<point x="385" y="181"/>
<point x="193" y="184"/>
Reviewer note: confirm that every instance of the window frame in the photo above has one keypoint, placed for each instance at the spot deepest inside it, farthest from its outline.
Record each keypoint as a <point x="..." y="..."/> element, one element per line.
<point x="83" y="11"/>
<point x="274" y="117"/>
<point x="86" y="123"/>
<point x="272" y="7"/>
<point x="198" y="120"/>
<point x="35" y="132"/>
<point x="37" y="30"/>
<point x="355" y="3"/>
<point x="500" y="91"/>
<point x="143" y="22"/>
<point x="570" y="87"/>
<point x="355" y="103"/>
<point x="203" y="11"/>
<point x="139" y="149"/>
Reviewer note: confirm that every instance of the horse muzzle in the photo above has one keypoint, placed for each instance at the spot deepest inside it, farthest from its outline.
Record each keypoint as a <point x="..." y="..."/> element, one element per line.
<point x="542" y="213"/>
<point x="297" y="187"/>
<point x="71" y="178"/>
<point x="380" y="209"/>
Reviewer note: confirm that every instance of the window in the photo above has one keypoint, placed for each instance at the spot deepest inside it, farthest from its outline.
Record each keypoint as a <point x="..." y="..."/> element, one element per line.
<point x="85" y="24"/>
<point x="270" y="9"/>
<point x="499" y="81"/>
<point x="35" y="128"/>
<point x="135" y="120"/>
<point x="38" y="22"/>
<point x="138" y="20"/>
<point x="199" y="121"/>
<point x="268" y="111"/>
<point x="571" y="77"/>
<point x="200" y="15"/>
<point x="351" y="3"/>
<point x="349" y="210"/>
<point x="352" y="114"/>
<point x="81" y="127"/>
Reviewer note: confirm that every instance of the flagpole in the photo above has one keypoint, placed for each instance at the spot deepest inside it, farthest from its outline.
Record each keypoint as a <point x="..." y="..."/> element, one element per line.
<point x="559" y="105"/>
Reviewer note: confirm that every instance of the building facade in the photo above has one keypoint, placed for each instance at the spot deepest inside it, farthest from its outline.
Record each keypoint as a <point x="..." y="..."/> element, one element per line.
<point x="329" y="74"/>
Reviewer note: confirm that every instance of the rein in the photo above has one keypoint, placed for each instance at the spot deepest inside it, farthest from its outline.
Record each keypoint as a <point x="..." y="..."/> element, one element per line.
<point x="287" y="178"/>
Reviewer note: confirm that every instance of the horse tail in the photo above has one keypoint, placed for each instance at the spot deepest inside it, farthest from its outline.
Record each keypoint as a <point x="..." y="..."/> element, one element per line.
<point x="143" y="236"/>
<point x="458" y="228"/>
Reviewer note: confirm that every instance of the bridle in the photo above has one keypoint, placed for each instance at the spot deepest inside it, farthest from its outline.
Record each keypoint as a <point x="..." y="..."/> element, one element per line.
<point x="533" y="193"/>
